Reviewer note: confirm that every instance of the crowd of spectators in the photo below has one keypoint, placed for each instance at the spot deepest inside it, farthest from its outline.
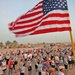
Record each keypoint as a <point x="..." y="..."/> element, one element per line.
<point x="51" y="60"/>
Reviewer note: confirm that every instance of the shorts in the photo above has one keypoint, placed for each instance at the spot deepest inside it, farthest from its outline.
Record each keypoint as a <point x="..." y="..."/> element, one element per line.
<point x="66" y="66"/>
<point x="70" y="62"/>
<point x="21" y="73"/>
<point x="4" y="70"/>
<point x="53" y="66"/>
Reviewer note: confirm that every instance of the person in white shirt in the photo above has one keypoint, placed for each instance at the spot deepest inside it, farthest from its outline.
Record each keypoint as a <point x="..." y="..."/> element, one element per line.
<point x="4" y="66"/>
<point x="40" y="65"/>
<point x="22" y="70"/>
<point x="44" y="71"/>
<point x="25" y="56"/>
<point x="1" y="71"/>
<point x="61" y="70"/>
<point x="7" y="58"/>
<point x="0" y="58"/>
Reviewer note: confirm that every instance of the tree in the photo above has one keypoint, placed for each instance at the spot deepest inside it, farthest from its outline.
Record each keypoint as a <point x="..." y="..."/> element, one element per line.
<point x="14" y="44"/>
<point x="1" y="45"/>
<point x="8" y="44"/>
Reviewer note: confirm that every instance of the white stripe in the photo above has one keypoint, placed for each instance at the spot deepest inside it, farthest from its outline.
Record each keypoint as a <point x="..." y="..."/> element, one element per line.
<point x="29" y="23"/>
<point x="39" y="4"/>
<point x="59" y="11"/>
<point x="10" y="26"/>
<point x="35" y="11"/>
<point x="41" y="22"/>
<point x="45" y="27"/>
<point x="30" y="18"/>
<point x="53" y="26"/>
<point x="54" y="11"/>
<point x="47" y="19"/>
<point x="54" y="18"/>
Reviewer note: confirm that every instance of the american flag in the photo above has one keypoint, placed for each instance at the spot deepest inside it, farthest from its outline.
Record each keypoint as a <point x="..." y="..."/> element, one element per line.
<point x="47" y="16"/>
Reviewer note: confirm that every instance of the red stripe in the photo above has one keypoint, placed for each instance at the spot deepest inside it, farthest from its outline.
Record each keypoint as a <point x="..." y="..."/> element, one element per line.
<point x="42" y="24"/>
<point x="26" y="26"/>
<point x="11" y="24"/>
<point x="25" y="31"/>
<point x="44" y="30"/>
<point x="47" y="22"/>
<point x="55" y="22"/>
<point x="29" y="15"/>
<point x="35" y="9"/>
<point x="30" y="20"/>
<point x="50" y="15"/>
<point x="51" y="30"/>
<point x="58" y="15"/>
<point x="48" y="30"/>
<point x="64" y="15"/>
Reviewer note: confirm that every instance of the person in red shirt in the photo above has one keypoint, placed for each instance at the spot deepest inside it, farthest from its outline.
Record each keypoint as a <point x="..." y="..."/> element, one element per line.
<point x="10" y="65"/>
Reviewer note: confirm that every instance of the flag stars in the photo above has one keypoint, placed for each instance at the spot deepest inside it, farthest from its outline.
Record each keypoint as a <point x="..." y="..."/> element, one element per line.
<point x="56" y="4"/>
<point x="60" y="0"/>
<point x="49" y="9"/>
<point x="63" y="3"/>
<point x="63" y="6"/>
<point x="49" y="5"/>
<point x="54" y="7"/>
<point x="59" y="6"/>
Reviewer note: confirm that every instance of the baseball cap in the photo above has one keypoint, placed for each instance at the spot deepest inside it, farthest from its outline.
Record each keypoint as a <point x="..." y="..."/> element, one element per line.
<point x="61" y="67"/>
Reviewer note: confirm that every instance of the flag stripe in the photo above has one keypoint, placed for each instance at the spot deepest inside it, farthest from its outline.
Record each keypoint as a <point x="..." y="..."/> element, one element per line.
<point x="44" y="31"/>
<point x="36" y="18"/>
<point x="35" y="22"/>
<point x="41" y="27"/>
<point x="57" y="14"/>
<point x="43" y="23"/>
<point x="50" y="17"/>
<point x="66" y="15"/>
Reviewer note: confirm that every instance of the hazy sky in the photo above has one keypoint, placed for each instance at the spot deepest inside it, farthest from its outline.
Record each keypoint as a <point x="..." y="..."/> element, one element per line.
<point x="10" y="10"/>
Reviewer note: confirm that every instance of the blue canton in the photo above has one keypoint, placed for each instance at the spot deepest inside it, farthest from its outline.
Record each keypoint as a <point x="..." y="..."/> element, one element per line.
<point x="49" y="5"/>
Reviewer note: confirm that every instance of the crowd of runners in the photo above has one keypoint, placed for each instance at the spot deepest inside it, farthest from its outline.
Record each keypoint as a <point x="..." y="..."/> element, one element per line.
<point x="51" y="60"/>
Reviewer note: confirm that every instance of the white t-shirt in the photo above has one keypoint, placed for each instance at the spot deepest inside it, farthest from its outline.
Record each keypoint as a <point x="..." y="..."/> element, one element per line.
<point x="1" y="71"/>
<point x="25" y="55"/>
<point x="69" y="58"/>
<point x="40" y="67"/>
<point x="4" y="65"/>
<point x="7" y="56"/>
<point x="43" y="73"/>
<point x="30" y="55"/>
<point x="61" y="73"/>
<point x="22" y="69"/>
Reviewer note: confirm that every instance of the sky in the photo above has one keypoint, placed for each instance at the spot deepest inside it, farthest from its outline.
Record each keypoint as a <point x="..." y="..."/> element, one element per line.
<point x="10" y="10"/>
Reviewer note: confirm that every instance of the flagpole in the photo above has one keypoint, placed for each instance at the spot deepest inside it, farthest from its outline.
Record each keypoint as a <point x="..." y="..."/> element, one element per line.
<point x="72" y="42"/>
